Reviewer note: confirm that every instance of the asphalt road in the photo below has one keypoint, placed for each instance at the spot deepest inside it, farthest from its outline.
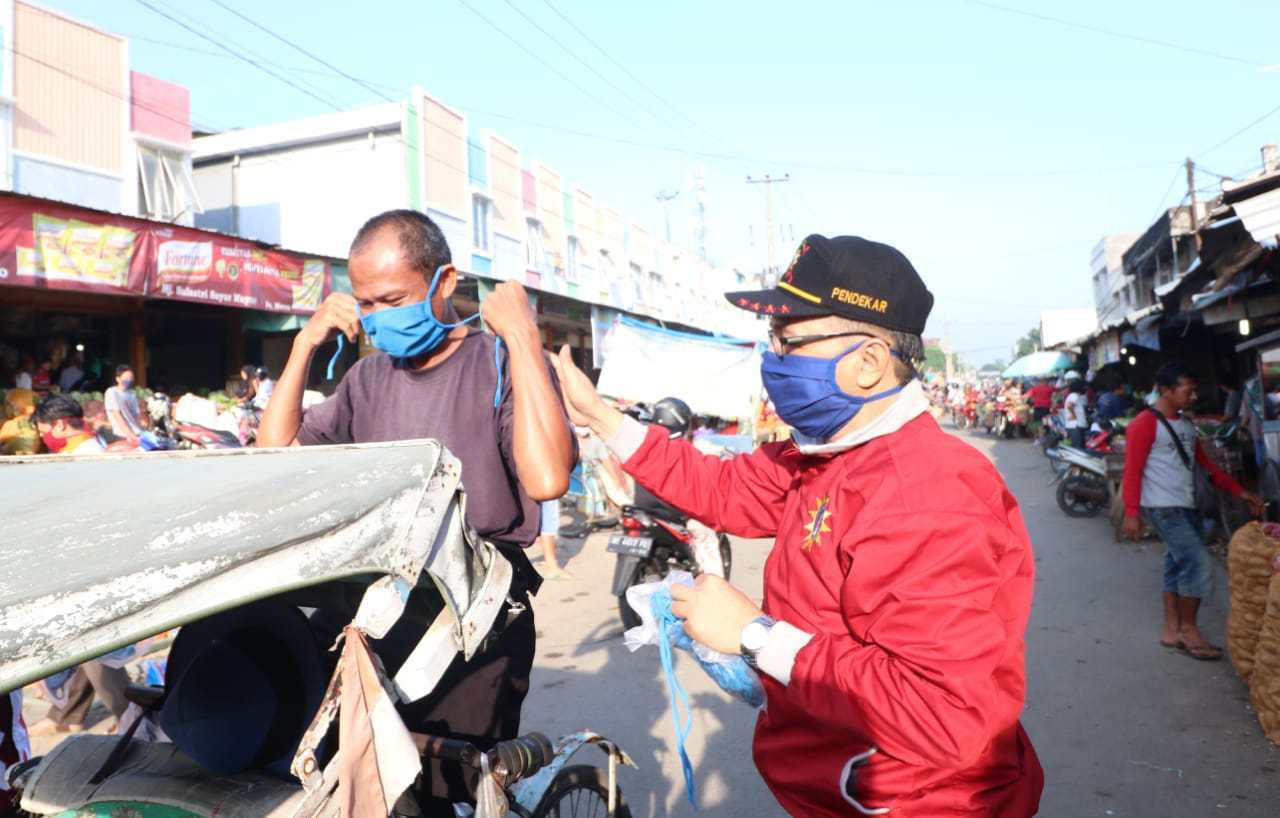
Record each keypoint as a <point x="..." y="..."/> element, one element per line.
<point x="1123" y="726"/>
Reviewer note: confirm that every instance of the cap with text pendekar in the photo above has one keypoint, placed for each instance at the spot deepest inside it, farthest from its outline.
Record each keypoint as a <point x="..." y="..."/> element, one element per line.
<point x="847" y="276"/>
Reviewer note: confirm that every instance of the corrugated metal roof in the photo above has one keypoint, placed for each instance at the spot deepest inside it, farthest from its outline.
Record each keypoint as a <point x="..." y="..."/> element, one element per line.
<point x="1261" y="215"/>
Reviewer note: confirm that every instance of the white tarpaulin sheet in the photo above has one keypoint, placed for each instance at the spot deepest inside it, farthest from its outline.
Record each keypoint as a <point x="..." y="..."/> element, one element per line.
<point x="715" y="376"/>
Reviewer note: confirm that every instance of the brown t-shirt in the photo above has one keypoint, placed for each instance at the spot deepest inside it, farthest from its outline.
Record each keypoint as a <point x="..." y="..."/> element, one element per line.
<point x="382" y="400"/>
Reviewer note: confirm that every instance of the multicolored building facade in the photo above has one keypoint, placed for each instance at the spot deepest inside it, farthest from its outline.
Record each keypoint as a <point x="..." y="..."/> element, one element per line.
<point x="312" y="182"/>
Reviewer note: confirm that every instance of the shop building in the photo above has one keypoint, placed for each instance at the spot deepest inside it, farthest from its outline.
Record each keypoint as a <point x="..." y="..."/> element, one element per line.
<point x="312" y="182"/>
<point x="97" y="253"/>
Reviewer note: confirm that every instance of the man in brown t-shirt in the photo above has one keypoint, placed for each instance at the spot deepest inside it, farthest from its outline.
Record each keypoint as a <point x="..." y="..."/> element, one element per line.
<point x="500" y="415"/>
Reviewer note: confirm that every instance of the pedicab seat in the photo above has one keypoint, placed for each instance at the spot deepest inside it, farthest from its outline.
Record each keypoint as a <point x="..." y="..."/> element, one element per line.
<point x="156" y="773"/>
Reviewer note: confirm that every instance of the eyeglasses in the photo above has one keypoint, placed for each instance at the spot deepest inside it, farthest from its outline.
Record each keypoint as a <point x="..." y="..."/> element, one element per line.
<point x="780" y="344"/>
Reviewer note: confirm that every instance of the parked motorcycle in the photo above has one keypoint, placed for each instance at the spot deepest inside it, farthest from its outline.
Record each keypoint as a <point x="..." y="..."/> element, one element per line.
<point x="654" y="541"/>
<point x="1083" y="488"/>
<point x="195" y="436"/>
<point x="1052" y="431"/>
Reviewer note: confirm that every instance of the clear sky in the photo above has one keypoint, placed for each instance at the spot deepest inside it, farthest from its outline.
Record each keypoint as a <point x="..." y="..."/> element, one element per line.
<point x="993" y="148"/>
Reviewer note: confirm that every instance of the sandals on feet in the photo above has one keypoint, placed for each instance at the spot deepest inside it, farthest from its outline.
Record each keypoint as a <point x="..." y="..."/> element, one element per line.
<point x="1204" y="653"/>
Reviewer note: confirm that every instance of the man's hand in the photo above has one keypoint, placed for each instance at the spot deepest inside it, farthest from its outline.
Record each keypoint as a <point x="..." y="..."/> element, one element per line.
<point x="714" y="612"/>
<point x="1131" y="528"/>
<point x="1256" y="505"/>
<point x="338" y="314"/>
<point x="586" y="407"/>
<point x="508" y="314"/>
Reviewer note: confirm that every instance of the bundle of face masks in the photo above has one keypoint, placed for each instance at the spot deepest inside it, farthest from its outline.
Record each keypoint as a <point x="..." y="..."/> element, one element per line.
<point x="652" y="601"/>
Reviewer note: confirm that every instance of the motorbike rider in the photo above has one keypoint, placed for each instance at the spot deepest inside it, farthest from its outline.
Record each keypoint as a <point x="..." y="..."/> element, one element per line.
<point x="497" y="411"/>
<point x="898" y="590"/>
<point x="676" y="417"/>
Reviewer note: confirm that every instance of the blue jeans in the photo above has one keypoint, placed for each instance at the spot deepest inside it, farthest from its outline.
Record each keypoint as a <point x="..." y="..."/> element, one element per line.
<point x="1187" y="571"/>
<point x="550" y="518"/>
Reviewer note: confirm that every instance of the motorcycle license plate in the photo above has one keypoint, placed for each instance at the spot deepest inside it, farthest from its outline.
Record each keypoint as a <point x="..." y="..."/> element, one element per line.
<point x="630" y="546"/>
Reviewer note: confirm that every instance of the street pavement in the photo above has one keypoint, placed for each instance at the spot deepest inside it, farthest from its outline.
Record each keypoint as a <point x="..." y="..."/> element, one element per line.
<point x="1123" y="726"/>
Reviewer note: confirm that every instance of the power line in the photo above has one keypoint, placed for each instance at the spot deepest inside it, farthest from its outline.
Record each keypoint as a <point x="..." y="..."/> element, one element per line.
<point x="544" y="62"/>
<point x="626" y="70"/>
<point x="238" y="55"/>
<point x="1165" y="196"/>
<point x="1250" y="126"/>
<point x="97" y="86"/>
<point x="303" y="51"/>
<point x="1120" y="35"/>
<point x="580" y="60"/>
<point x="712" y="155"/>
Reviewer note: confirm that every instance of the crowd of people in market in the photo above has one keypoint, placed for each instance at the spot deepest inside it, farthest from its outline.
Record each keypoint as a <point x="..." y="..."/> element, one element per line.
<point x="1162" y="445"/>
<point x="67" y="414"/>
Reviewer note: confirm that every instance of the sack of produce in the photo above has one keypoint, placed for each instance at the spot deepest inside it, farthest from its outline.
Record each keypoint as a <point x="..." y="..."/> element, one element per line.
<point x="1264" y="684"/>
<point x="1249" y="558"/>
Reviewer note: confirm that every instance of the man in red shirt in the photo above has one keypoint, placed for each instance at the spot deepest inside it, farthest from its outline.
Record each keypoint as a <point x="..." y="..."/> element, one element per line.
<point x="1159" y="484"/>
<point x="1041" y="397"/>
<point x="890" y="641"/>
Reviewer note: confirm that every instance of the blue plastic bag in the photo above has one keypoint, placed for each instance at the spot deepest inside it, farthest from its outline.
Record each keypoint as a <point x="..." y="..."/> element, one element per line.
<point x="661" y="626"/>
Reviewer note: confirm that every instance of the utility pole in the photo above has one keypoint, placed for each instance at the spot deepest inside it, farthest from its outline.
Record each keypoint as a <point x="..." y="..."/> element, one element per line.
<point x="768" y="182"/>
<point x="1191" y="190"/>
<point x="665" y="196"/>
<point x="949" y="354"/>
<point x="700" y="204"/>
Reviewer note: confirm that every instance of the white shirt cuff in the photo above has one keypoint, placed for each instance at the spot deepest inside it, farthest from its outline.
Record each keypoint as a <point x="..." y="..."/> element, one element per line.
<point x="628" y="439"/>
<point x="779" y="654"/>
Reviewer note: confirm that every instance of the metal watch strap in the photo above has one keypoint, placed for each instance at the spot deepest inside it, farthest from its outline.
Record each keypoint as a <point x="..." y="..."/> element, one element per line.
<point x="748" y="655"/>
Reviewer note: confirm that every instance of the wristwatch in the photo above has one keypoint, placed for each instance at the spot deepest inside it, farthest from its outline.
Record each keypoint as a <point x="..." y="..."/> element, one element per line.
<point x="754" y="637"/>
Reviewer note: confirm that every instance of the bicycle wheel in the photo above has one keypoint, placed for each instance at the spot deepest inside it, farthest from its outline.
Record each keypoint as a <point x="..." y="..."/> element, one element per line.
<point x="580" y="791"/>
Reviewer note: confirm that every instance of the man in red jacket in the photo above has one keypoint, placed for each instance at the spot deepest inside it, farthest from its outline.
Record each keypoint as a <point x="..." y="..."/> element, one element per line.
<point x="890" y="642"/>
<point x="1161" y="451"/>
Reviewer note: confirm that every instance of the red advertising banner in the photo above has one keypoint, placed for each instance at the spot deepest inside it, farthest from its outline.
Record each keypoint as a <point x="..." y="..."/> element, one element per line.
<point x="56" y="247"/>
<point x="59" y="247"/>
<point x="195" y="265"/>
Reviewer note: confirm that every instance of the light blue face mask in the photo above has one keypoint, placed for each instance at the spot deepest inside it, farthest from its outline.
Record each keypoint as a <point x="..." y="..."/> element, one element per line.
<point x="412" y="331"/>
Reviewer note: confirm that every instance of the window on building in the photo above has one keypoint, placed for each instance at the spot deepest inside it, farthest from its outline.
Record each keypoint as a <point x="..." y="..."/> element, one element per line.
<point x="166" y="190"/>
<point x="535" y="246"/>
<point x="481" y="222"/>
<point x="571" y="262"/>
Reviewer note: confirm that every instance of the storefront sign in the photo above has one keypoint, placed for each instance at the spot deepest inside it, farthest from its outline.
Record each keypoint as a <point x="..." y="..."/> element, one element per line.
<point x="191" y="265"/>
<point x="50" y="246"/>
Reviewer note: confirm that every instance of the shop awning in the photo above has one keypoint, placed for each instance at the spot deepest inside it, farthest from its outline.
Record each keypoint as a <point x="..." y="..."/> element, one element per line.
<point x="1038" y="365"/>
<point x="715" y="376"/>
<point x="52" y="246"/>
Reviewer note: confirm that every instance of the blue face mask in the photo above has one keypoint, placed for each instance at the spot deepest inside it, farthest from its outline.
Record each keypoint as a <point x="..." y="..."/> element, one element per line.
<point x="409" y="331"/>
<point x="806" y="396"/>
<point x="413" y="330"/>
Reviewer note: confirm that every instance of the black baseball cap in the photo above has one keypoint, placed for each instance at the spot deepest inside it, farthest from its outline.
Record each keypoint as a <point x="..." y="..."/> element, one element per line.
<point x="847" y="276"/>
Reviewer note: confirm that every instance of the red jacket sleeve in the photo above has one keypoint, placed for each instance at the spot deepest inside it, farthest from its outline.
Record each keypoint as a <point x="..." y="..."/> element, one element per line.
<point x="1221" y="479"/>
<point x="929" y="614"/>
<point x="1139" y="437"/>
<point x="743" y="495"/>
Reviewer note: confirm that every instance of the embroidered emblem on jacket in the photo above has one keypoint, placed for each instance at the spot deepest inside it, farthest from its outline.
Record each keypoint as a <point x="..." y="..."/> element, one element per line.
<point x="817" y="525"/>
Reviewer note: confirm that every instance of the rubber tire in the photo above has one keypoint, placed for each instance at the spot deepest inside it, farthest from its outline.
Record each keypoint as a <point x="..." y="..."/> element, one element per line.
<point x="726" y="555"/>
<point x="576" y="779"/>
<point x="1067" y="508"/>
<point x="631" y="619"/>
